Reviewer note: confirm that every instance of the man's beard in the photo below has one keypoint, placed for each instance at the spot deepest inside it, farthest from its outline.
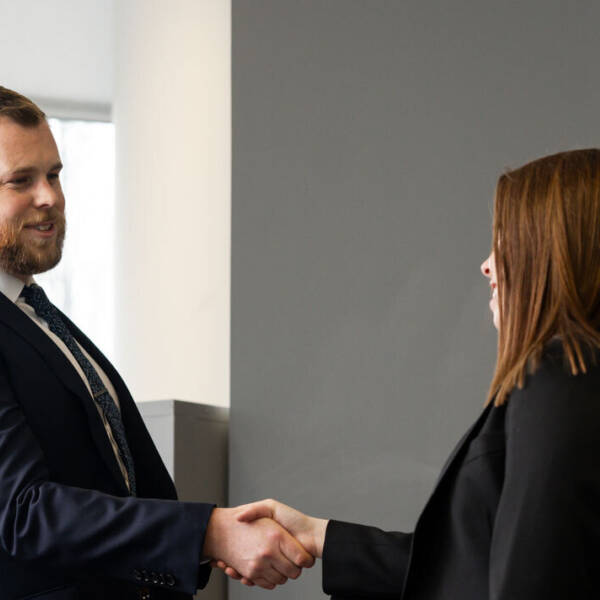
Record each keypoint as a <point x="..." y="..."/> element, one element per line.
<point x="20" y="257"/>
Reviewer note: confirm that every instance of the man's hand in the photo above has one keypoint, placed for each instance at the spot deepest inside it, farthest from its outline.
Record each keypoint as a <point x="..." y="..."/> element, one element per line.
<point x="309" y="531"/>
<point x="258" y="550"/>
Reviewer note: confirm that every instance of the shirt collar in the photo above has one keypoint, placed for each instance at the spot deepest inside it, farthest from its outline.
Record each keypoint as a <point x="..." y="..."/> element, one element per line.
<point x="12" y="286"/>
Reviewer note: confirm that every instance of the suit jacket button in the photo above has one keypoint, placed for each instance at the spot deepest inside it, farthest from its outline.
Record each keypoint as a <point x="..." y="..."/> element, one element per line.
<point x="144" y="594"/>
<point x="169" y="580"/>
<point x="137" y="574"/>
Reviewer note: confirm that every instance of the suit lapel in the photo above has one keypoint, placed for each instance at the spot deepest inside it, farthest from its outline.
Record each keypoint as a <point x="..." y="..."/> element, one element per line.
<point x="21" y="324"/>
<point x="153" y="479"/>
<point x="448" y="467"/>
<point x="60" y="365"/>
<point x="462" y="443"/>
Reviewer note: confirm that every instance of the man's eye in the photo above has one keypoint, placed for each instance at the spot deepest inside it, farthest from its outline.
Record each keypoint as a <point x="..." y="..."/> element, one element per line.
<point x="53" y="176"/>
<point x="19" y="181"/>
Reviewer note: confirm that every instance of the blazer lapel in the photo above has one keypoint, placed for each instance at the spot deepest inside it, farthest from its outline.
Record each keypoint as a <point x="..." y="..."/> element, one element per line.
<point x="153" y="479"/>
<point x="462" y="443"/>
<point x="452" y="460"/>
<point x="19" y="322"/>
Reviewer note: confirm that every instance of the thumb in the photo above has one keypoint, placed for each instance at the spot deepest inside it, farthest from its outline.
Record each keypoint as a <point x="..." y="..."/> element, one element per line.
<point x="255" y="511"/>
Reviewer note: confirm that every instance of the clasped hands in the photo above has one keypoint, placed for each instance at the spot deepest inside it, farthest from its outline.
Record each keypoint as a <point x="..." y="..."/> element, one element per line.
<point x="264" y="543"/>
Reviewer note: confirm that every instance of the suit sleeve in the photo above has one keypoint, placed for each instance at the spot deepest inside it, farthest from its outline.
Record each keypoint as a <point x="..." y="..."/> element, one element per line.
<point x="87" y="531"/>
<point x="546" y="534"/>
<point x="364" y="562"/>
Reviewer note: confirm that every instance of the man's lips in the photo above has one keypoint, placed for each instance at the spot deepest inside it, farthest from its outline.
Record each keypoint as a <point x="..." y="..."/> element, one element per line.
<point x="43" y="228"/>
<point x="39" y="224"/>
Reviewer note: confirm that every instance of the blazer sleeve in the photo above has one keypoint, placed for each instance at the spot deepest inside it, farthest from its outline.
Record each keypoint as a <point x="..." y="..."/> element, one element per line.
<point x="87" y="531"/>
<point x="364" y="562"/>
<point x="546" y="533"/>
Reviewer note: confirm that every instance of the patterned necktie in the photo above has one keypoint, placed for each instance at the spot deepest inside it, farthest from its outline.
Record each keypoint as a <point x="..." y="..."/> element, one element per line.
<point x="35" y="296"/>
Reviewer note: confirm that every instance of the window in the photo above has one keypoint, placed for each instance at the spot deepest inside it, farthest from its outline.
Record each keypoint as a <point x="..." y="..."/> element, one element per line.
<point x="82" y="284"/>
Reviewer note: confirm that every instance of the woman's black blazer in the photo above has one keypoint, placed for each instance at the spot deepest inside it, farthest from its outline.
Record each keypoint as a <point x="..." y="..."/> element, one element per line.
<point x="515" y="514"/>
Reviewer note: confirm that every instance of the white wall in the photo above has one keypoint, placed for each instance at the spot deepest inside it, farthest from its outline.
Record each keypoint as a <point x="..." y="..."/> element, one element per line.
<point x="165" y="67"/>
<point x="172" y="115"/>
<point x="59" y="49"/>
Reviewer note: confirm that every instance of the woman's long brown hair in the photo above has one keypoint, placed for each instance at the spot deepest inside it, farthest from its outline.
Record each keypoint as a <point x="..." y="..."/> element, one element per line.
<point x="546" y="242"/>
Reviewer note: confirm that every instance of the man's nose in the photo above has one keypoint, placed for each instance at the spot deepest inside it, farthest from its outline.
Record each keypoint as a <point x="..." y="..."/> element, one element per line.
<point x="46" y="194"/>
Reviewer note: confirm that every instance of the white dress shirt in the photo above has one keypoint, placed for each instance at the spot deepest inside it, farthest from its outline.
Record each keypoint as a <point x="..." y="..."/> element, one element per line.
<point x="12" y="287"/>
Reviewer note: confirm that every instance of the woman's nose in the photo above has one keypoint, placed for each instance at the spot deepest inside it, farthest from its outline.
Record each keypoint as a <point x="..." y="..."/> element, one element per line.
<point x="485" y="267"/>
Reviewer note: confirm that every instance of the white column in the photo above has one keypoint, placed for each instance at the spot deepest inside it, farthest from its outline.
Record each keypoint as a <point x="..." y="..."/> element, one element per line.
<point x="172" y="113"/>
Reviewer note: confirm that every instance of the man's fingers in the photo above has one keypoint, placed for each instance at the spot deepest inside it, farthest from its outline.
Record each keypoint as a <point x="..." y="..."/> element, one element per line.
<point x="276" y="577"/>
<point x="264" y="553"/>
<point x="285" y="555"/>
<point x="263" y="583"/>
<point x="289" y="554"/>
<point x="295" y="552"/>
<point x="271" y="573"/>
<point x="286" y="568"/>
<point x="295" y="573"/>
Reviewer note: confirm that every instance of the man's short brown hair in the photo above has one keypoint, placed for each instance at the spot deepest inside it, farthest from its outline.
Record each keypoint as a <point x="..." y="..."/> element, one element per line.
<point x="19" y="109"/>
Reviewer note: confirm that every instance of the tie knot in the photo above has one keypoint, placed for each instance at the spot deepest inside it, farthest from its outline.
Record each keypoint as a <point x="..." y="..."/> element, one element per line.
<point x="35" y="296"/>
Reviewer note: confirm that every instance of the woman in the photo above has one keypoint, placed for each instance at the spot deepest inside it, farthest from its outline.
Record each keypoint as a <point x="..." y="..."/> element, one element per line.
<point x="516" y="511"/>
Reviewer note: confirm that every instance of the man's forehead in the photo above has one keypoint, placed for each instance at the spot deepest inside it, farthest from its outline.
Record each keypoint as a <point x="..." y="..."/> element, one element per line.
<point x="22" y="147"/>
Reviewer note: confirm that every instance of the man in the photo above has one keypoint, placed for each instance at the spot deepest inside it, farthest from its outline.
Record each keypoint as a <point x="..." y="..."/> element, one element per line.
<point x="87" y="508"/>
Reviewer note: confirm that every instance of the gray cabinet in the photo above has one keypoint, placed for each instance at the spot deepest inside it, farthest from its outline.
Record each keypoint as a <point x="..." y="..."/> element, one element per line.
<point x="192" y="440"/>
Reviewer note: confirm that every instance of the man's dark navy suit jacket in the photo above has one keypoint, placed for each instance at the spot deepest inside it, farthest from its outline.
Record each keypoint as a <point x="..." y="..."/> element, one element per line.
<point x="68" y="527"/>
<point x="515" y="514"/>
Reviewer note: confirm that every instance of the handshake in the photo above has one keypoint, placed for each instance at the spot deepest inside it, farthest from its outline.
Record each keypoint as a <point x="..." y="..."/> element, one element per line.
<point x="264" y="543"/>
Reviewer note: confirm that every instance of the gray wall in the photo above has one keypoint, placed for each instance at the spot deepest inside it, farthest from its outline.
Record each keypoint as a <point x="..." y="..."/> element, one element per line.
<point x="367" y="140"/>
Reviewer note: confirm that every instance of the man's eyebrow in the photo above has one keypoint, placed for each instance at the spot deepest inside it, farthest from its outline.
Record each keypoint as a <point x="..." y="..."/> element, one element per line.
<point x="21" y="171"/>
<point x="24" y="170"/>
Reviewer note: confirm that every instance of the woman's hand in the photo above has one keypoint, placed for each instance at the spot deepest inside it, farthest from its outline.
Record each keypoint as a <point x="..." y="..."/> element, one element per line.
<point x="261" y="549"/>
<point x="309" y="531"/>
